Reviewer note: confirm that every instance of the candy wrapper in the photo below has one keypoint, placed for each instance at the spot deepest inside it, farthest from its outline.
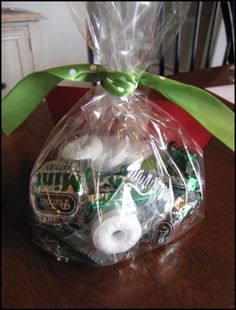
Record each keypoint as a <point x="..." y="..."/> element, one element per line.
<point x="118" y="176"/>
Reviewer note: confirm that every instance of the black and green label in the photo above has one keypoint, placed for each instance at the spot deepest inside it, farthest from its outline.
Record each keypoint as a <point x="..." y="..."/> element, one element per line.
<point x="57" y="189"/>
<point x="55" y="203"/>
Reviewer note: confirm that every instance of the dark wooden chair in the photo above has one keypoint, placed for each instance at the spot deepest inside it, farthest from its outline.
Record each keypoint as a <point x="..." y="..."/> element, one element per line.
<point x="228" y="14"/>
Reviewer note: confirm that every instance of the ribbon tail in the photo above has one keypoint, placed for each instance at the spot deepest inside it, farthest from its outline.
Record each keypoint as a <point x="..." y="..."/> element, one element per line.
<point x="215" y="116"/>
<point x="23" y="99"/>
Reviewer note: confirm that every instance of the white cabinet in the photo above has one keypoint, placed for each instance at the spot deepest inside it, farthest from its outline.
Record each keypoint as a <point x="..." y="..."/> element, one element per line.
<point x="21" y="46"/>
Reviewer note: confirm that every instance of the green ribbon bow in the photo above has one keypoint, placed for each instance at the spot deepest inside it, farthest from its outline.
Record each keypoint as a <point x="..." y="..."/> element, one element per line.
<point x="204" y="107"/>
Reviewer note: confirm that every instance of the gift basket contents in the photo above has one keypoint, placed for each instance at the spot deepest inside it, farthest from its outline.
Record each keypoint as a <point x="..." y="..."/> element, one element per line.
<point x="125" y="180"/>
<point x="118" y="176"/>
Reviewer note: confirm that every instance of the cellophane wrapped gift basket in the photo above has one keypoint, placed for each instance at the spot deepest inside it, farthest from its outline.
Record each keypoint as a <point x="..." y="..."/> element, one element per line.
<point x="118" y="176"/>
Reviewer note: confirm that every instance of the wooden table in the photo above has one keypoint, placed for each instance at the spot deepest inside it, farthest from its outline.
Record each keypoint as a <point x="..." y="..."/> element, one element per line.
<point x="195" y="271"/>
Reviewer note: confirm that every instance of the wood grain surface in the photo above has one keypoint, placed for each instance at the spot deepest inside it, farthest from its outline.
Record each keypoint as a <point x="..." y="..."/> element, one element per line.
<point x="195" y="271"/>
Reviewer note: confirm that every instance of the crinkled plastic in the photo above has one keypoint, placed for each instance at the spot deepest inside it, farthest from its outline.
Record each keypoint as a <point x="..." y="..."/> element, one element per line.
<point x="117" y="177"/>
<point x="129" y="36"/>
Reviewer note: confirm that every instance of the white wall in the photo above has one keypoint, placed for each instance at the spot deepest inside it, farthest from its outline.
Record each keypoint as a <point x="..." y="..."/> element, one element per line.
<point x="62" y="43"/>
<point x="220" y="46"/>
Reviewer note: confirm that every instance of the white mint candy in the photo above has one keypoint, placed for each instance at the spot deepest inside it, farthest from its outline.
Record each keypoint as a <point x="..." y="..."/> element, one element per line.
<point x="121" y="151"/>
<point x="116" y="233"/>
<point x="100" y="163"/>
<point x="116" y="153"/>
<point x="86" y="147"/>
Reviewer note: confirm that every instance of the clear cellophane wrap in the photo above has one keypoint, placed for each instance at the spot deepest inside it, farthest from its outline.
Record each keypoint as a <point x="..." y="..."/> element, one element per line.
<point x="118" y="176"/>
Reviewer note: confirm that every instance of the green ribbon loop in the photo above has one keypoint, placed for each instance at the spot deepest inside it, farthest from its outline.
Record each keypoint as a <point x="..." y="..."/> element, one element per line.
<point x="23" y="99"/>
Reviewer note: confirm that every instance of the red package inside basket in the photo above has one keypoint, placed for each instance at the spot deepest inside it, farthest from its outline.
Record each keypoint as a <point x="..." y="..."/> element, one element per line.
<point x="62" y="98"/>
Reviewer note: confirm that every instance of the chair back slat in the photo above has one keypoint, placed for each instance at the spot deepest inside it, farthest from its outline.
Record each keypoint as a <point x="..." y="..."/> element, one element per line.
<point x="177" y="52"/>
<point x="227" y="53"/>
<point x="227" y="10"/>
<point x="162" y="66"/>
<point x="215" y="13"/>
<point x="196" y="34"/>
<point x="90" y="56"/>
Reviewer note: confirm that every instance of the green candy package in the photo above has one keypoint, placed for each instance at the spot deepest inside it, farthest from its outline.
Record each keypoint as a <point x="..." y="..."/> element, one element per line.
<point x="118" y="176"/>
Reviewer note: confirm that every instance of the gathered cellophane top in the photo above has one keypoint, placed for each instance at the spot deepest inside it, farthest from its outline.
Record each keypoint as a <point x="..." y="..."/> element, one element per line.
<point x="117" y="177"/>
<point x="129" y="36"/>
